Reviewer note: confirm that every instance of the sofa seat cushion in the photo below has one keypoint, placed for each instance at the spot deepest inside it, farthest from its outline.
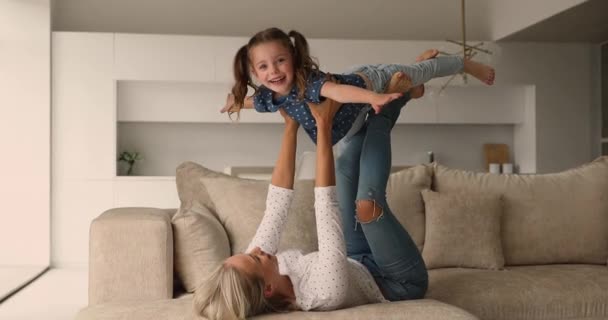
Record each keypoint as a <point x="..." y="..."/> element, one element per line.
<point x="525" y="292"/>
<point x="181" y="309"/>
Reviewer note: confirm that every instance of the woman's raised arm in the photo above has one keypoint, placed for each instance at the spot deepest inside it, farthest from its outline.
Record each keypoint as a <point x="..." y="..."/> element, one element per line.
<point x="285" y="167"/>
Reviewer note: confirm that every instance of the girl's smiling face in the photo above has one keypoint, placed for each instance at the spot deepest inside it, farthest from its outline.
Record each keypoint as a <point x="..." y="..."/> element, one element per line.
<point x="272" y="65"/>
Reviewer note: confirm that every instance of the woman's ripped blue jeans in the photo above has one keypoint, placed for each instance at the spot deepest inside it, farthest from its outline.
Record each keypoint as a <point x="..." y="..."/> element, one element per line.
<point x="381" y="244"/>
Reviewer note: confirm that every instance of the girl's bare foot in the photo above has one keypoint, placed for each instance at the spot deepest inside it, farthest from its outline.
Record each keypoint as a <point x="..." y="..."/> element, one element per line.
<point x="480" y="71"/>
<point x="399" y="83"/>
<point x="417" y="92"/>
<point x="428" y="54"/>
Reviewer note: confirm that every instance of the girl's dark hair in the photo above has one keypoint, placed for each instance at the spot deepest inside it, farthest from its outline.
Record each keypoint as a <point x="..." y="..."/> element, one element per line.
<point x="304" y="64"/>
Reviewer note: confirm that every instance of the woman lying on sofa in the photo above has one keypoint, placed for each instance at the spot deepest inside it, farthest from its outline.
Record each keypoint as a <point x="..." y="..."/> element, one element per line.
<point x="260" y="280"/>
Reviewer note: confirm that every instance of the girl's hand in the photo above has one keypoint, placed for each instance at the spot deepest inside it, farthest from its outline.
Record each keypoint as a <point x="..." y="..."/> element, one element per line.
<point x="229" y="104"/>
<point x="289" y="121"/>
<point x="325" y="111"/>
<point x="382" y="99"/>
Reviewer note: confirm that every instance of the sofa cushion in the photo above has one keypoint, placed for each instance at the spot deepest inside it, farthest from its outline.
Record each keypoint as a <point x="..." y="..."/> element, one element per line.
<point x="240" y="205"/>
<point x="525" y="292"/>
<point x="205" y="236"/>
<point x="548" y="218"/>
<point x="404" y="198"/>
<point x="462" y="230"/>
<point x="193" y="231"/>
<point x="182" y="309"/>
<point x="190" y="190"/>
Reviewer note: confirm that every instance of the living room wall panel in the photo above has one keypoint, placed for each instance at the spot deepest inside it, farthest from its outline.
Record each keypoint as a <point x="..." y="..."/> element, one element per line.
<point x="181" y="102"/>
<point x="164" y="57"/>
<point x="83" y="139"/>
<point x="84" y="106"/>
<point x="504" y="104"/>
<point x="76" y="202"/>
<point x="156" y="192"/>
<point x="224" y="50"/>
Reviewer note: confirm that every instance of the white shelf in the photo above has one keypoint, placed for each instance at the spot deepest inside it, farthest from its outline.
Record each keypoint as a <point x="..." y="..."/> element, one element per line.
<point x="180" y="102"/>
<point x="200" y="102"/>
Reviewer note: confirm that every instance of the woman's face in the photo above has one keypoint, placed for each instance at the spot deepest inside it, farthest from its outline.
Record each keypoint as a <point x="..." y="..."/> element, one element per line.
<point x="257" y="263"/>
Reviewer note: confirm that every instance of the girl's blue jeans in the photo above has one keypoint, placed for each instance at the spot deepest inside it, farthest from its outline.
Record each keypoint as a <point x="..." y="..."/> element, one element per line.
<point x="382" y="245"/>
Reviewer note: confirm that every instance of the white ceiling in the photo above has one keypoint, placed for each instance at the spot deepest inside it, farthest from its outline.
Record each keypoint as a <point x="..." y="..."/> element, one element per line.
<point x="346" y="19"/>
<point x="512" y="20"/>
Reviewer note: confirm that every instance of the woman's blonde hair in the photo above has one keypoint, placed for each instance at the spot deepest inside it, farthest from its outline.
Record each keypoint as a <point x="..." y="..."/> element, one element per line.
<point x="230" y="294"/>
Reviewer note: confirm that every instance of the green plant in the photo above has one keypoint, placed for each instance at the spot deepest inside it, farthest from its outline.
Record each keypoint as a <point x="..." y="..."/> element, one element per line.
<point x="130" y="158"/>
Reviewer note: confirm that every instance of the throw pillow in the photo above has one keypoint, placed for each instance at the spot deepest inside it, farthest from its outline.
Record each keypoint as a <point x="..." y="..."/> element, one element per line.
<point x="462" y="230"/>
<point x="240" y="204"/>
<point x="405" y="201"/>
<point x="200" y="245"/>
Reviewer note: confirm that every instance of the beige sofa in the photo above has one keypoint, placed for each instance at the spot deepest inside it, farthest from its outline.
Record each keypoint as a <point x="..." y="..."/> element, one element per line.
<point x="497" y="246"/>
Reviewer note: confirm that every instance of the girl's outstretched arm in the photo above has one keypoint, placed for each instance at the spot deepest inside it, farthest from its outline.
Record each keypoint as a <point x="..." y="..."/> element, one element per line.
<point x="350" y="94"/>
<point x="230" y="107"/>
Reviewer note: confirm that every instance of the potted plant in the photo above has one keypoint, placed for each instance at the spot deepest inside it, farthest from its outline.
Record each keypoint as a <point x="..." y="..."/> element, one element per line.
<point x="130" y="158"/>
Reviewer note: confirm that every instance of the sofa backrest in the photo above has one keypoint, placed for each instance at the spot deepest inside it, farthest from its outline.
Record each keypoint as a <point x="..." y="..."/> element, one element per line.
<point x="239" y="204"/>
<point x="547" y="218"/>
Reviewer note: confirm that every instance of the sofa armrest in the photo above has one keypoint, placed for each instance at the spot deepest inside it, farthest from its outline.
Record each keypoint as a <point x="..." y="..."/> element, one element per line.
<point x="131" y="255"/>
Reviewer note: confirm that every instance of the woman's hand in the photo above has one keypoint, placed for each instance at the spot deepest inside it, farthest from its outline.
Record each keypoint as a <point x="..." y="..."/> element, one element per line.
<point x="325" y="111"/>
<point x="382" y="99"/>
<point x="289" y="121"/>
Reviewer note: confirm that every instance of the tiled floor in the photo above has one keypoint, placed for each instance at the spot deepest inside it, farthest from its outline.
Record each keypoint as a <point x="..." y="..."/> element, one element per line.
<point x="57" y="295"/>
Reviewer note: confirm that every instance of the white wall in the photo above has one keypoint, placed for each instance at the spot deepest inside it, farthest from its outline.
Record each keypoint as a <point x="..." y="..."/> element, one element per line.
<point x="83" y="160"/>
<point x="562" y="76"/>
<point x="25" y="132"/>
<point x="84" y="134"/>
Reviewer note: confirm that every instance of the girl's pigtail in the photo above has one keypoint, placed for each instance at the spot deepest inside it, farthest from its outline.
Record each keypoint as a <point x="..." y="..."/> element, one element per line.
<point x="241" y="77"/>
<point x="303" y="62"/>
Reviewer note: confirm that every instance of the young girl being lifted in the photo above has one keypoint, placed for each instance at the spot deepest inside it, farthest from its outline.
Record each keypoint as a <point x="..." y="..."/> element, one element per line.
<point x="377" y="262"/>
<point x="289" y="78"/>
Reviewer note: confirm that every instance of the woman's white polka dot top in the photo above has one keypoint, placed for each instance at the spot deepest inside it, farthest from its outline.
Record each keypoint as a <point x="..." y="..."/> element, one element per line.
<point x="322" y="280"/>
